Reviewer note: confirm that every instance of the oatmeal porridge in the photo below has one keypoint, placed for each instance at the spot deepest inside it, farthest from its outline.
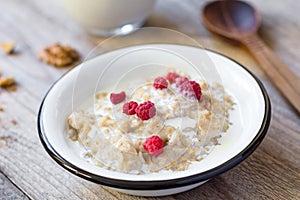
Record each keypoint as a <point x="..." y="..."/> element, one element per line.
<point x="164" y="123"/>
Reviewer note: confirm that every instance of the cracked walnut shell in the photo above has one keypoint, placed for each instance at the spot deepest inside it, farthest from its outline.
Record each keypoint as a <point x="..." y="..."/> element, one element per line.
<point x="58" y="55"/>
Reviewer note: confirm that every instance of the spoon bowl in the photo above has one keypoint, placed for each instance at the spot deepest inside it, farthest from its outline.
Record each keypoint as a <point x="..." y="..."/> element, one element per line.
<point x="232" y="19"/>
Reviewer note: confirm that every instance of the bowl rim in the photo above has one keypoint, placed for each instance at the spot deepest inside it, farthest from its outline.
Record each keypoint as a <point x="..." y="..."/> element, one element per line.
<point x="161" y="184"/>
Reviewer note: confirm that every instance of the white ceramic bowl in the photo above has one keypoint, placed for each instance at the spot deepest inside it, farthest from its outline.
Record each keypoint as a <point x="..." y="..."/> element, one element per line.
<point x="250" y="118"/>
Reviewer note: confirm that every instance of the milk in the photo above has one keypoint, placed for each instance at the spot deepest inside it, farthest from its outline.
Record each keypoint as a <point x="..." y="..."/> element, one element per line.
<point x="109" y="17"/>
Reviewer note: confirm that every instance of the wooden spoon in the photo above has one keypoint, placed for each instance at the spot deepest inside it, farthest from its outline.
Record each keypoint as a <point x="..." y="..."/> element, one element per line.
<point x="240" y="21"/>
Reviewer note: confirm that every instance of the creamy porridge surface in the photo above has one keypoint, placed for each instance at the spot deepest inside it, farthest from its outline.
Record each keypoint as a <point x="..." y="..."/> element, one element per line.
<point x="164" y="123"/>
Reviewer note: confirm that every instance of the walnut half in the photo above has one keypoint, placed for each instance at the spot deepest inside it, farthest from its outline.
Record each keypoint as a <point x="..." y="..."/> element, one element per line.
<point x="58" y="55"/>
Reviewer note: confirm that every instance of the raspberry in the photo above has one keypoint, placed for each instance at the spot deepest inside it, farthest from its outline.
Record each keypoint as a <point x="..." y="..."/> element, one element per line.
<point x="180" y="80"/>
<point x="129" y="107"/>
<point x="116" y="98"/>
<point x="160" y="83"/>
<point x="145" y="110"/>
<point x="191" y="89"/>
<point x="172" y="76"/>
<point x="154" y="145"/>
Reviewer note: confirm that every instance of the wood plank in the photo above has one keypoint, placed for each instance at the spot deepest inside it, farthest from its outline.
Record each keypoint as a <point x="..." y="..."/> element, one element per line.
<point x="9" y="191"/>
<point x="258" y="168"/>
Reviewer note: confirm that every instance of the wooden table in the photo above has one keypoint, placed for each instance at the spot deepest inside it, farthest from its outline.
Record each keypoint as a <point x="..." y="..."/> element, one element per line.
<point x="26" y="170"/>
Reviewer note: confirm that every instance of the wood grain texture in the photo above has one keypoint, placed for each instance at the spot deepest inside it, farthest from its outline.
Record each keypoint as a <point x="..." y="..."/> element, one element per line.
<point x="280" y="75"/>
<point x="8" y="191"/>
<point x="272" y="172"/>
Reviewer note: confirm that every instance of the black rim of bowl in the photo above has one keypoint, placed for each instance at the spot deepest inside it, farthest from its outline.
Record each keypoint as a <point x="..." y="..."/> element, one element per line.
<point x="162" y="184"/>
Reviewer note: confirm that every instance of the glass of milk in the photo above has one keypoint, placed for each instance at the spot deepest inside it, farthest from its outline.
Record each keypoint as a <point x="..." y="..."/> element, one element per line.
<point x="109" y="17"/>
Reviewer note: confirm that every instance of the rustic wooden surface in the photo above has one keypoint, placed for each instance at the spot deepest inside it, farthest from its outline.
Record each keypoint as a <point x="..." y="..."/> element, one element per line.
<point x="26" y="171"/>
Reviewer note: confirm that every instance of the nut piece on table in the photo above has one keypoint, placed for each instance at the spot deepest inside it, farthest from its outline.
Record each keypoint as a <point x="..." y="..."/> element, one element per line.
<point x="6" y="81"/>
<point x="8" y="47"/>
<point x="58" y="55"/>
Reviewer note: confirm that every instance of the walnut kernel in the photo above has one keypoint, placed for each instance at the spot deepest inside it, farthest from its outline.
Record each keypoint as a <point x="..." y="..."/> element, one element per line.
<point x="58" y="55"/>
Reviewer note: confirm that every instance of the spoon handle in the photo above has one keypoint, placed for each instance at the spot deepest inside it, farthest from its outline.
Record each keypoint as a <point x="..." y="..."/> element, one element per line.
<point x="284" y="79"/>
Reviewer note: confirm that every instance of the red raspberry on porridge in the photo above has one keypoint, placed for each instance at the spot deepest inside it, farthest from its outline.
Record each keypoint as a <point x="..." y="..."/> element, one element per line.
<point x="180" y="80"/>
<point x="191" y="89"/>
<point x="154" y="145"/>
<point x="160" y="83"/>
<point x="146" y="110"/>
<point x="116" y="98"/>
<point x="172" y="76"/>
<point x="129" y="107"/>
